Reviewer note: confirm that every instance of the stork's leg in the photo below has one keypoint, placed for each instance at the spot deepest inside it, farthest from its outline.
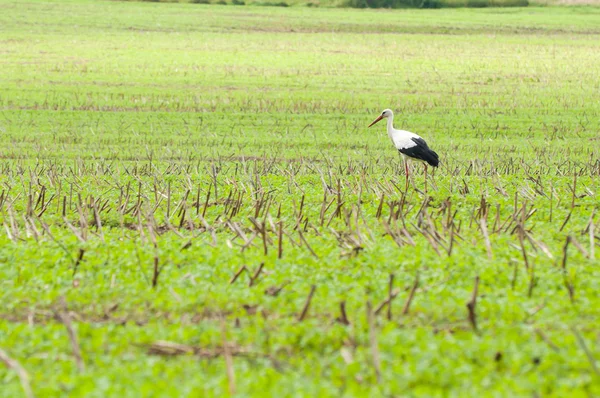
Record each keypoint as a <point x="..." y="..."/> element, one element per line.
<point x="425" y="178"/>
<point x="406" y="167"/>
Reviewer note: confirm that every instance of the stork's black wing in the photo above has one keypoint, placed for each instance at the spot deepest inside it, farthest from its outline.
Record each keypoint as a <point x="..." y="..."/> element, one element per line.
<point x="421" y="151"/>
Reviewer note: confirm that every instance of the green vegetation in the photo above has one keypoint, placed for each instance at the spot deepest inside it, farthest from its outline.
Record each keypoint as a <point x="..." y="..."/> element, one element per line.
<point x="391" y="3"/>
<point x="150" y="151"/>
<point x="363" y="3"/>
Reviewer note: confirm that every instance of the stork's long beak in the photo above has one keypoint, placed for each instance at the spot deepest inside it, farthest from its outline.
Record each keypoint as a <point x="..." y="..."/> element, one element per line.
<point x="376" y="120"/>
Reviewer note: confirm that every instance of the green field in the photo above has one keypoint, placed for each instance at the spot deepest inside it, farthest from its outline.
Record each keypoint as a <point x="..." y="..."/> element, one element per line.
<point x="149" y="151"/>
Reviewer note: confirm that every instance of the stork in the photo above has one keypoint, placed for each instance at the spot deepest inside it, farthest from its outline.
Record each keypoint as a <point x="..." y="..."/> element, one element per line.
<point x="410" y="145"/>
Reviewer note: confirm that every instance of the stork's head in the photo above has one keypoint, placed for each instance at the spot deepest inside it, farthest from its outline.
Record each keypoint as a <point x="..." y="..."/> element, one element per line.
<point x="385" y="114"/>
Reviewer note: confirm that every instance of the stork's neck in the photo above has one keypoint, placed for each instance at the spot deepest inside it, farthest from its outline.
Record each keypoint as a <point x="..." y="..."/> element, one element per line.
<point x="390" y="125"/>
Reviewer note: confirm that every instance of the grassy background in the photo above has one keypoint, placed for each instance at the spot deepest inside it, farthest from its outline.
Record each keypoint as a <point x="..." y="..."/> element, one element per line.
<point x="392" y="3"/>
<point x="139" y="110"/>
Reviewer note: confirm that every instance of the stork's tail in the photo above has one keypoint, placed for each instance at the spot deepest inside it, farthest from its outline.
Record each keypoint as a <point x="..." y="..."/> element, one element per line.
<point x="432" y="158"/>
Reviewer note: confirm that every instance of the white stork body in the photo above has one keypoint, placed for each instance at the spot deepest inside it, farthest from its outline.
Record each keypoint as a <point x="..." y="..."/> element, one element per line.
<point x="410" y="145"/>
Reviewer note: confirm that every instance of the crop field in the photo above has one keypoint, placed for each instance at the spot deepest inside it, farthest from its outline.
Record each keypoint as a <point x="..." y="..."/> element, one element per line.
<point x="192" y="204"/>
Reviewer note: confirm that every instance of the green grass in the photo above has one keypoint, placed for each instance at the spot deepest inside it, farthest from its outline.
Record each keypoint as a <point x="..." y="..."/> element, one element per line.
<point x="390" y="3"/>
<point x="247" y="117"/>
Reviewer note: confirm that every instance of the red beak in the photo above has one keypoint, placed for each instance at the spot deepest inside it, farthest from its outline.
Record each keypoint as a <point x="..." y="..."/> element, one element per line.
<point x="376" y="120"/>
